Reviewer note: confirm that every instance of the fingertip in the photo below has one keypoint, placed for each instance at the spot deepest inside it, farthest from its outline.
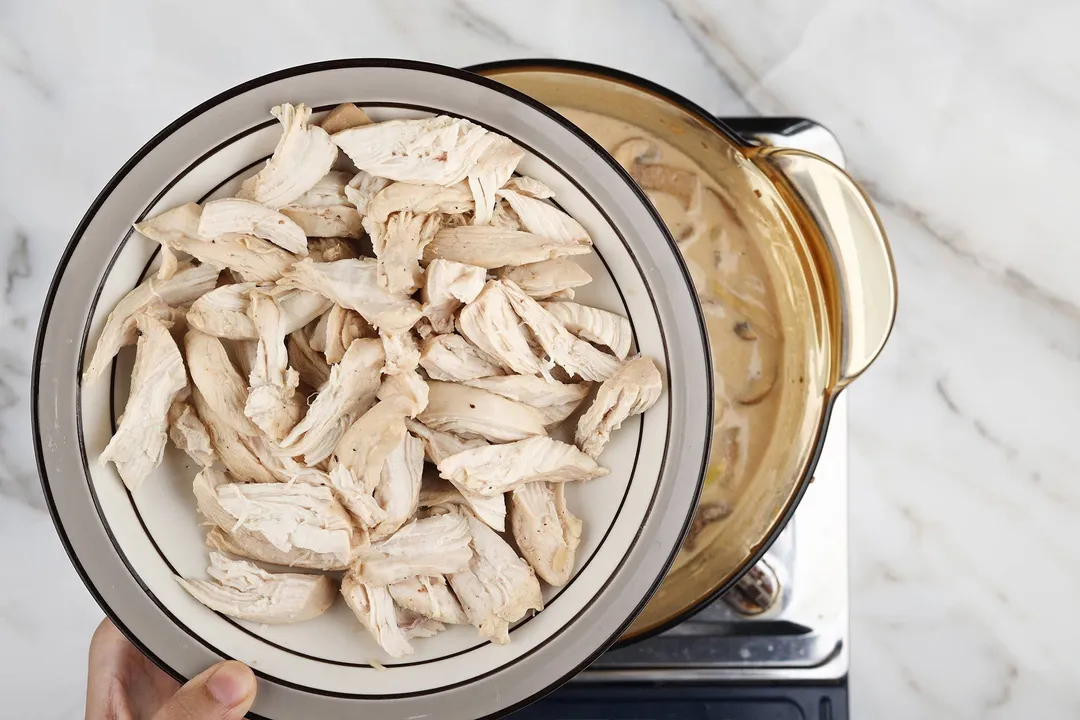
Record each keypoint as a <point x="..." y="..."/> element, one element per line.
<point x="232" y="684"/>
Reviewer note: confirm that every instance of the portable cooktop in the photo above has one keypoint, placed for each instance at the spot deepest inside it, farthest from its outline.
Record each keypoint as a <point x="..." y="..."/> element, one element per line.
<point x="776" y="646"/>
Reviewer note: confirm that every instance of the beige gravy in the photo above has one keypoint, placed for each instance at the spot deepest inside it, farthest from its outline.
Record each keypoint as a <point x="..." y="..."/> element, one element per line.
<point x="737" y="299"/>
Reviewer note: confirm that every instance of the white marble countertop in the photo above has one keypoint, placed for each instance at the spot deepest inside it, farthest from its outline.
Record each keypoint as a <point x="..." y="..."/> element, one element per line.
<point x="964" y="504"/>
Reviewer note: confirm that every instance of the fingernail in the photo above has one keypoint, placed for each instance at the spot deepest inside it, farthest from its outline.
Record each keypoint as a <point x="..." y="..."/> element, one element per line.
<point x="231" y="683"/>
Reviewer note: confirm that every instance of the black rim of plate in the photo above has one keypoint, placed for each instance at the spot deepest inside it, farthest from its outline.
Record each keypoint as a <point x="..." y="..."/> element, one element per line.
<point x="710" y="120"/>
<point x="237" y="90"/>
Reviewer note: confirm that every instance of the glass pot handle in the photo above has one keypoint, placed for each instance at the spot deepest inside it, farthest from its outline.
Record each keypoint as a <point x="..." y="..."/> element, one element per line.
<point x="855" y="259"/>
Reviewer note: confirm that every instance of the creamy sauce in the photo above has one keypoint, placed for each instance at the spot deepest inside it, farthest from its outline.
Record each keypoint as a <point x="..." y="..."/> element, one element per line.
<point x="737" y="299"/>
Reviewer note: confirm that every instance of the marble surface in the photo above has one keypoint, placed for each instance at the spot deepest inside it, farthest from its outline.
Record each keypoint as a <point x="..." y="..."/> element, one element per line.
<point x="955" y="115"/>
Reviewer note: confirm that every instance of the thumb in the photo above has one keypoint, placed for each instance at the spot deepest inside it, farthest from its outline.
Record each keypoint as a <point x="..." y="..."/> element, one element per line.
<point x="223" y="692"/>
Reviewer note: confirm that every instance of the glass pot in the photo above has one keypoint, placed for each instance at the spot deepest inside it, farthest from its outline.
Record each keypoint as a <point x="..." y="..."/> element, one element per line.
<point x="823" y="259"/>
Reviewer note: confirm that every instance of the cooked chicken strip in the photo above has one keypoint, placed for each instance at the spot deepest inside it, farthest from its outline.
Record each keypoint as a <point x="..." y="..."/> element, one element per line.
<point x="303" y="155"/>
<point x="362" y="188"/>
<point x="544" y="279"/>
<point x="402" y="351"/>
<point x="364" y="447"/>
<point x="312" y="367"/>
<point x="595" y="325"/>
<point x="343" y="117"/>
<point x="453" y="358"/>
<point x="498" y="588"/>
<point x="491" y="510"/>
<point x="247" y="592"/>
<point x="439" y="445"/>
<point x="273" y="403"/>
<point x="430" y="596"/>
<point x="428" y="151"/>
<point x="419" y="199"/>
<point x="157" y="380"/>
<point x="554" y="400"/>
<point x="325" y="211"/>
<point x="492" y="247"/>
<point x="248" y="543"/>
<point x="546" y="532"/>
<point x="490" y="323"/>
<point x="296" y="515"/>
<point x="407" y="391"/>
<point x="530" y="187"/>
<point x="631" y="391"/>
<point x="505" y="218"/>
<point x="234" y="450"/>
<point x="399" y="244"/>
<point x="234" y="215"/>
<point x="398" y="491"/>
<point x="429" y="546"/>
<point x="544" y="219"/>
<point x="188" y="433"/>
<point x="472" y="412"/>
<point x="336" y="330"/>
<point x="493" y="169"/>
<point x="575" y="356"/>
<point x="187" y="284"/>
<point x="348" y="393"/>
<point x="353" y="495"/>
<point x="447" y="286"/>
<point x="223" y="312"/>
<point x="375" y="610"/>
<point x="353" y="284"/>
<point x="255" y="547"/>
<point x="252" y="259"/>
<point x="498" y="469"/>
<point x="331" y="249"/>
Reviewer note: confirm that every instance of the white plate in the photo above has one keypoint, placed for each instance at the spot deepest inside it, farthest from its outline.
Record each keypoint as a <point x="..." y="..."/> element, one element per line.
<point x="128" y="549"/>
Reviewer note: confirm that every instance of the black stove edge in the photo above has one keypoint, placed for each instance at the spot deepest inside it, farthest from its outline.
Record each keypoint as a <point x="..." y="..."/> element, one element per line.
<point x="678" y="701"/>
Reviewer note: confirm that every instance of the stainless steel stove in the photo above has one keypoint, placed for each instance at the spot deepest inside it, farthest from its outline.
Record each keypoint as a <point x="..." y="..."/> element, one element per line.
<point x="776" y="646"/>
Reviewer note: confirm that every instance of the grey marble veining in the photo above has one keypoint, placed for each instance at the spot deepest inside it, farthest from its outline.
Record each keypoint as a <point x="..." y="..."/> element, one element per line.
<point x="958" y="117"/>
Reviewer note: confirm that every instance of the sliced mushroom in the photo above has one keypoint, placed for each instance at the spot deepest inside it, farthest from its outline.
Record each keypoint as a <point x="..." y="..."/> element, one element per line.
<point x="761" y="358"/>
<point x="639" y="156"/>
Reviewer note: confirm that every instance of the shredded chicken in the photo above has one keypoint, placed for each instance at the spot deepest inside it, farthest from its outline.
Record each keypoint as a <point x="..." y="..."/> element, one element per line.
<point x="544" y="279"/>
<point x="314" y="382"/>
<point x="348" y="393"/>
<point x="434" y="545"/>
<point x="497" y="469"/>
<point x="492" y="247"/>
<point x="453" y="358"/>
<point x="235" y="216"/>
<point x="631" y="391"/>
<point x="245" y="591"/>
<point x="498" y="588"/>
<point x="575" y="356"/>
<point x="490" y="323"/>
<point x="472" y="412"/>
<point x="546" y="532"/>
<point x="374" y="608"/>
<point x="354" y="284"/>
<point x="303" y="155"/>
<point x="430" y="596"/>
<point x="595" y="325"/>
<point x="187" y="284"/>
<point x="139" y="442"/>
<point x="447" y="286"/>
<point x="325" y="211"/>
<point x="252" y="259"/>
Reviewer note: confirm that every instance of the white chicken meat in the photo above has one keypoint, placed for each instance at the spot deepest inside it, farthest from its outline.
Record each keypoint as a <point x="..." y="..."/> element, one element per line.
<point x="545" y="531"/>
<point x="631" y="391"/>
<point x="157" y="380"/>
<point x="498" y="469"/>
<point x="303" y="156"/>
<point x="447" y="286"/>
<point x="472" y="412"/>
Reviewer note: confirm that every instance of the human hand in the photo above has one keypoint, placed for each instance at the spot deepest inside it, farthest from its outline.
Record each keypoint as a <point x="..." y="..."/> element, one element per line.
<point x="122" y="684"/>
